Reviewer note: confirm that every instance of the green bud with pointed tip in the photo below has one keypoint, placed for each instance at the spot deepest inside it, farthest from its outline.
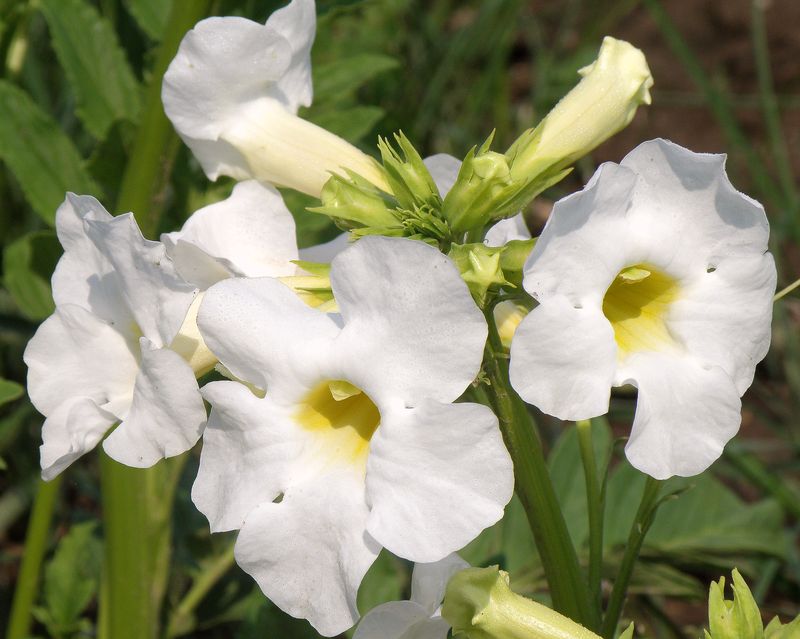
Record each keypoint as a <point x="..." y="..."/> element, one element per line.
<point x="408" y="177"/>
<point x="479" y="604"/>
<point x="777" y="630"/>
<point x="354" y="203"/>
<point x="736" y="619"/>
<point x="481" y="188"/>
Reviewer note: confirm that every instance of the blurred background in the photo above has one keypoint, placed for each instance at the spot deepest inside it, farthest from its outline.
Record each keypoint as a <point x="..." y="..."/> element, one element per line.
<point x="727" y="80"/>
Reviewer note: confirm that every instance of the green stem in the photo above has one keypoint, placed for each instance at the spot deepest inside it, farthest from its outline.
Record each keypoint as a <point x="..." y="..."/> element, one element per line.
<point x="769" y="107"/>
<point x="785" y="291"/>
<point x="641" y="524"/>
<point x="535" y="489"/>
<point x="595" y="506"/>
<point x="182" y="619"/>
<point x="137" y="503"/>
<point x="36" y="539"/>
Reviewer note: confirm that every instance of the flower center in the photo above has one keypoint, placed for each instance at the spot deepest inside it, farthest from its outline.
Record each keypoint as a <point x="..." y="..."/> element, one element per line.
<point x="342" y="416"/>
<point x="636" y="304"/>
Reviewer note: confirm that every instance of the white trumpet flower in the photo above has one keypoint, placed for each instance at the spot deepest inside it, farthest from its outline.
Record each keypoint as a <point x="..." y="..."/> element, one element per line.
<point x="352" y="441"/>
<point x="233" y="90"/>
<point x="656" y="275"/>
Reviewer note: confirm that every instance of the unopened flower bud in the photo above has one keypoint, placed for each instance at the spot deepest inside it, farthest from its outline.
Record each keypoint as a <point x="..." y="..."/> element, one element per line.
<point x="479" y="604"/>
<point x="408" y="177"/>
<point x="480" y="268"/>
<point x="736" y="619"/>
<point x="602" y="103"/>
<point x="354" y="202"/>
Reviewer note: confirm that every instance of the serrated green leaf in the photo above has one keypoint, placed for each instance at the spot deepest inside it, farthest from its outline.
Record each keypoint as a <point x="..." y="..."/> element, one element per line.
<point x="28" y="265"/>
<point x="41" y="157"/>
<point x="150" y="15"/>
<point x="335" y="80"/>
<point x="94" y="63"/>
<point x="71" y="578"/>
<point x="9" y="391"/>
<point x="352" y="124"/>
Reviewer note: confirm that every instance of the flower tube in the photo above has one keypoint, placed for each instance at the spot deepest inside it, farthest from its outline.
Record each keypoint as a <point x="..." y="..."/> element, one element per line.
<point x="233" y="90"/>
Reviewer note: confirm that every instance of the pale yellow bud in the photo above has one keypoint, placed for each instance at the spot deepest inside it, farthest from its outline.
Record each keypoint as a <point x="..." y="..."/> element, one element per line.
<point x="189" y="344"/>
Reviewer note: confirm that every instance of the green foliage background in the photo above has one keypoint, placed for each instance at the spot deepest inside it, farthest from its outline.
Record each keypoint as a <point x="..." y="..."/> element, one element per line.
<point x="72" y="81"/>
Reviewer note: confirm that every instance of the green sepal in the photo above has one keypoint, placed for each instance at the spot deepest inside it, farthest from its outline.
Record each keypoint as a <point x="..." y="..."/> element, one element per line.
<point x="353" y="202"/>
<point x="480" y="268"/>
<point x="736" y="619"/>
<point x="513" y="257"/>
<point x="408" y="177"/>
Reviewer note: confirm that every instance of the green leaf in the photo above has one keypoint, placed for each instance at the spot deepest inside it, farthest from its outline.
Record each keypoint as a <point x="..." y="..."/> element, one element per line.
<point x="94" y="63"/>
<point x="28" y="265"/>
<point x="352" y="124"/>
<point x="150" y="15"/>
<point x="41" y="157"/>
<point x="9" y="391"/>
<point x="71" y="579"/>
<point x="336" y="80"/>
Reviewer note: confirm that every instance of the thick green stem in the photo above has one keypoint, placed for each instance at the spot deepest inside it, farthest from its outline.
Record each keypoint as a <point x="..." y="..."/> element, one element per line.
<point x="595" y="501"/>
<point x="535" y="490"/>
<point x="35" y="548"/>
<point x="641" y="524"/>
<point x="137" y="503"/>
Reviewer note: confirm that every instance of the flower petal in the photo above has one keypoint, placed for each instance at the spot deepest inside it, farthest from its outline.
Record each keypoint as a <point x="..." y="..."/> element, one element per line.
<point x="221" y="64"/>
<point x="156" y="296"/>
<point x="429" y="581"/>
<point x="513" y="228"/>
<point x="261" y="331"/>
<point x="71" y="430"/>
<point x="410" y="322"/>
<point x="248" y="452"/>
<point x="401" y="620"/>
<point x="685" y="213"/>
<point x="310" y="551"/>
<point x="167" y="415"/>
<point x="444" y="171"/>
<point x="724" y="316"/>
<point x="297" y="22"/>
<point x="252" y="233"/>
<point x="585" y="237"/>
<point x="83" y="275"/>
<point x="685" y="414"/>
<point x="563" y="360"/>
<point x="76" y="354"/>
<point x="427" y="496"/>
<point x="326" y="251"/>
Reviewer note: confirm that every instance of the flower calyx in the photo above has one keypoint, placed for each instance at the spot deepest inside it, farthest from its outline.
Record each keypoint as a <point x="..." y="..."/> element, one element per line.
<point x="481" y="268"/>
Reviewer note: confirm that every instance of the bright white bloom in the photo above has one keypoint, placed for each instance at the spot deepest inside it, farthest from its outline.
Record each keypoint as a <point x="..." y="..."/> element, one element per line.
<point x="232" y="93"/>
<point x="512" y="228"/>
<point x="123" y="343"/>
<point x="353" y="442"/>
<point x="657" y="275"/>
<point x="420" y="617"/>
<point x="104" y="356"/>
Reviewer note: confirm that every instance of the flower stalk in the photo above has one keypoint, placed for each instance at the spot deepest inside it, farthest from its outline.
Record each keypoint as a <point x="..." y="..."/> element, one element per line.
<point x="535" y="489"/>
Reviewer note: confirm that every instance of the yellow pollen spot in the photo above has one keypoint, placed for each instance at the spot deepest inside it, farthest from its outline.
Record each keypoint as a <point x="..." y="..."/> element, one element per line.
<point x="342" y="416"/>
<point x="636" y="304"/>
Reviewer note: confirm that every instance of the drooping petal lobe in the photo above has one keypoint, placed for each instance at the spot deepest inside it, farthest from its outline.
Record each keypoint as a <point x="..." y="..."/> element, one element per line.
<point x="429" y="581"/>
<point x="310" y="551"/>
<point x="167" y="415"/>
<point x="513" y="228"/>
<point x="563" y="360"/>
<point x="427" y="496"/>
<point x="72" y="429"/>
<point x="685" y="414"/>
<point x="297" y="23"/>
<point x="249" y="448"/>
<point x="401" y="620"/>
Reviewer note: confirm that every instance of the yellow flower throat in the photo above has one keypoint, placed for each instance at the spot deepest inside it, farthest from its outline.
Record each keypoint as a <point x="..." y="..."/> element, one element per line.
<point x="636" y="304"/>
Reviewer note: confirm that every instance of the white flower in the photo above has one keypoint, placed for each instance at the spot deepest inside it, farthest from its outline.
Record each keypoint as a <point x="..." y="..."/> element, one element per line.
<point x="232" y="93"/>
<point x="354" y="442"/>
<point x="420" y="617"/>
<point x="104" y="356"/>
<point x="656" y="275"/>
<point x="123" y="343"/>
